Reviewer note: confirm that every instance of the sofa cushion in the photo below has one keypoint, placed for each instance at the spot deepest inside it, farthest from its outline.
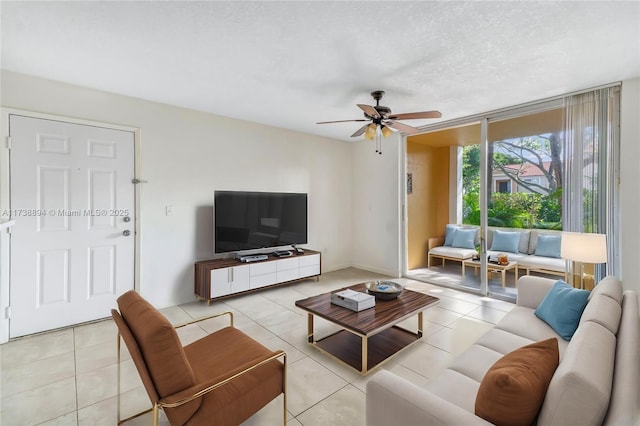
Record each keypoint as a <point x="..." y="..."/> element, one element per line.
<point x="580" y="389"/>
<point x="475" y="361"/>
<point x="502" y="341"/>
<point x="456" y="388"/>
<point x="548" y="246"/>
<point x="533" y="239"/>
<point x="541" y="262"/>
<point x="464" y="238"/>
<point x="562" y="308"/>
<point x="448" y="234"/>
<point x="609" y="286"/>
<point x="453" y="252"/>
<point x="521" y="321"/>
<point x="513" y="389"/>
<point x="603" y="310"/>
<point x="625" y="392"/>
<point x="505" y="241"/>
<point x="525" y="234"/>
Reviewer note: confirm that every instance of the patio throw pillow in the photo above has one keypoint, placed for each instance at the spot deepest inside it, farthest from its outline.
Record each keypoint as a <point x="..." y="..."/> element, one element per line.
<point x="464" y="238"/>
<point x="448" y="234"/>
<point x="505" y="241"/>
<point x="513" y="389"/>
<point x="548" y="245"/>
<point x="562" y="308"/>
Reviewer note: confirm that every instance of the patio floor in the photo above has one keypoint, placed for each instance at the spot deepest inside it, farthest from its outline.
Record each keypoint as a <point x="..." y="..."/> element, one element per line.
<point x="451" y="276"/>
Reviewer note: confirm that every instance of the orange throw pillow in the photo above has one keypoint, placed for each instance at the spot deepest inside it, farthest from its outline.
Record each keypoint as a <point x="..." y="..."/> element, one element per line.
<point x="513" y="390"/>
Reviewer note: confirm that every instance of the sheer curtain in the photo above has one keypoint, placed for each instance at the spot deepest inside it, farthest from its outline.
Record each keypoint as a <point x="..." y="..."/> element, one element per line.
<point x="591" y="172"/>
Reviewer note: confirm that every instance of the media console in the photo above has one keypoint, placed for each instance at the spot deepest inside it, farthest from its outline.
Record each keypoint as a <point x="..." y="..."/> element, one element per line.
<point x="225" y="277"/>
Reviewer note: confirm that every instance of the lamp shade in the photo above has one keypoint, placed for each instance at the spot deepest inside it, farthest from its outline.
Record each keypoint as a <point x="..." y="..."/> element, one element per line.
<point x="585" y="248"/>
<point x="370" y="131"/>
<point x="386" y="131"/>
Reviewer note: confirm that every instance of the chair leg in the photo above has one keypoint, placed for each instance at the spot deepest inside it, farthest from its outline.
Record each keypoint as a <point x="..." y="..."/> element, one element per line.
<point x="155" y="414"/>
<point x="118" y="381"/>
<point x="284" y="390"/>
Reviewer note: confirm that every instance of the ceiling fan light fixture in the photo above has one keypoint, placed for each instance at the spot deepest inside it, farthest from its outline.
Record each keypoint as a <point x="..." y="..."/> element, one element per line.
<point x="386" y="131"/>
<point x="370" y="132"/>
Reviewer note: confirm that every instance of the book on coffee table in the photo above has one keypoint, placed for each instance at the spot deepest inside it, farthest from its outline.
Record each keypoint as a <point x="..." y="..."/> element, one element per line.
<point x="354" y="300"/>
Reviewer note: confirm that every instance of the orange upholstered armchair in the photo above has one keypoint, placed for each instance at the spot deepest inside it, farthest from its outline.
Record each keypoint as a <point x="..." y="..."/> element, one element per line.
<point x="221" y="379"/>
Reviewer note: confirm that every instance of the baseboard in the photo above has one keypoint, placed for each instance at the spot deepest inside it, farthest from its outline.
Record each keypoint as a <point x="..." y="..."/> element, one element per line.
<point x="395" y="274"/>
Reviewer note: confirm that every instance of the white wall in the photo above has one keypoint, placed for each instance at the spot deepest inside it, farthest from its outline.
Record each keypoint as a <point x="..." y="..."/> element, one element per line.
<point x="377" y="183"/>
<point x="185" y="155"/>
<point x="630" y="183"/>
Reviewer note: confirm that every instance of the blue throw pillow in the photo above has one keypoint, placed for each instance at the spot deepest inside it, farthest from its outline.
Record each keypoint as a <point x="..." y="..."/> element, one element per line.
<point x="505" y="241"/>
<point x="548" y="245"/>
<point x="464" y="238"/>
<point x="562" y="308"/>
<point x="448" y="236"/>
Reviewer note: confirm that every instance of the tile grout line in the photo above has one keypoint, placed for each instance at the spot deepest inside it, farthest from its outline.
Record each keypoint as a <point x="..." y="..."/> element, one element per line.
<point x="325" y="398"/>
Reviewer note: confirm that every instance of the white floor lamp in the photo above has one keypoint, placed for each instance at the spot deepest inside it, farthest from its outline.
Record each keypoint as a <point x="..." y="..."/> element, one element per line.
<point x="581" y="248"/>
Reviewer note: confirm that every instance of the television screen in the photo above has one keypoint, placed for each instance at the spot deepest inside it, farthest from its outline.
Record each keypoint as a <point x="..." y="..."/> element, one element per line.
<point x="254" y="220"/>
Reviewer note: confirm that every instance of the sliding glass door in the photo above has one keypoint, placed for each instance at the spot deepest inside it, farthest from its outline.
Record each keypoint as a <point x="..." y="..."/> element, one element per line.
<point x="524" y="186"/>
<point x="520" y="176"/>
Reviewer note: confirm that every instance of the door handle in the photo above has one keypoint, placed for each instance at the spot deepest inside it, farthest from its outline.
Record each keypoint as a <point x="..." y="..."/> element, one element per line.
<point x="126" y="232"/>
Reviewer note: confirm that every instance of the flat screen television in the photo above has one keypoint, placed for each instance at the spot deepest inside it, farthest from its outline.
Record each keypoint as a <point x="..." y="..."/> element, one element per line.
<point x="257" y="220"/>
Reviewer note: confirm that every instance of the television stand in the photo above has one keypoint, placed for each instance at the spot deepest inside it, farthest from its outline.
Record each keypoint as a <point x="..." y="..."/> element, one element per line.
<point x="221" y="278"/>
<point x="252" y="258"/>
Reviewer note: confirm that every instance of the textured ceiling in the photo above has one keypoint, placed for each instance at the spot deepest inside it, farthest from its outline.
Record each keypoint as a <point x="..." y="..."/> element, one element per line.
<point x="290" y="64"/>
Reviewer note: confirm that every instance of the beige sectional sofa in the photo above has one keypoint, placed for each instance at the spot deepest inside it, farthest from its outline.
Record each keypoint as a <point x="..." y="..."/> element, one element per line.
<point x="525" y="254"/>
<point x="596" y="382"/>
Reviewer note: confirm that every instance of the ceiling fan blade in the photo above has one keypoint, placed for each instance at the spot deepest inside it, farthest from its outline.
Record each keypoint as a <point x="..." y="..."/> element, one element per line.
<point x="410" y="130"/>
<point x="369" y="110"/>
<point x="360" y="131"/>
<point x="340" y="121"/>
<point x="416" y="115"/>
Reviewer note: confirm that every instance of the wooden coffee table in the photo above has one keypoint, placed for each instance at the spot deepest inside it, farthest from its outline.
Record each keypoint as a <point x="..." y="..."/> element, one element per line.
<point x="368" y="337"/>
<point x="493" y="267"/>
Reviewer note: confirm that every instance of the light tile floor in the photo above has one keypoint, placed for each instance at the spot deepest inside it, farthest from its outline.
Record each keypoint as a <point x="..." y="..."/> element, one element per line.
<point x="68" y="377"/>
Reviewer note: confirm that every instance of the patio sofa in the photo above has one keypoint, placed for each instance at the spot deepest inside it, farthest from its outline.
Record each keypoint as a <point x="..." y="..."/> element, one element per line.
<point x="534" y="249"/>
<point x="597" y="380"/>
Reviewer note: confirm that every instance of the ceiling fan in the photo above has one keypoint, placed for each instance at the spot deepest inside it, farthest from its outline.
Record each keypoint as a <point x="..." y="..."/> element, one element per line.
<point x="381" y="117"/>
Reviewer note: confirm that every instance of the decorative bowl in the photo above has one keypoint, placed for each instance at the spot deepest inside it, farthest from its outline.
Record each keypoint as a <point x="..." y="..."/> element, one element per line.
<point x="384" y="290"/>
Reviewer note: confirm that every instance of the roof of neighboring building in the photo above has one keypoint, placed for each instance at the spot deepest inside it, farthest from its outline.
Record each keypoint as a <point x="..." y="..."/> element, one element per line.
<point x="525" y="169"/>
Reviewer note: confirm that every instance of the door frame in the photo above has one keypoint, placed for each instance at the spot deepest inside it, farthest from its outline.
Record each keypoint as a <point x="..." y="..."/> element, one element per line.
<point x="5" y="178"/>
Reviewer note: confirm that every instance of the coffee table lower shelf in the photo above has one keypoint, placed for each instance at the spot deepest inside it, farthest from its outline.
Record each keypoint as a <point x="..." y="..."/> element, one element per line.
<point x="350" y="348"/>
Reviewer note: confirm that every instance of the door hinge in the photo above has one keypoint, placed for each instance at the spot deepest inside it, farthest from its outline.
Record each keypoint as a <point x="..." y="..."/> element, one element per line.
<point x="9" y="142"/>
<point x="7" y="312"/>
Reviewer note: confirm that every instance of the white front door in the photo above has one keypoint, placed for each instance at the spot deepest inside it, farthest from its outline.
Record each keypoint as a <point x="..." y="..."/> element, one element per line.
<point x="72" y="247"/>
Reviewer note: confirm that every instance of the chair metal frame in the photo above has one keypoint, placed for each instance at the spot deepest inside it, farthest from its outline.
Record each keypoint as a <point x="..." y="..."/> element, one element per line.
<point x="160" y="404"/>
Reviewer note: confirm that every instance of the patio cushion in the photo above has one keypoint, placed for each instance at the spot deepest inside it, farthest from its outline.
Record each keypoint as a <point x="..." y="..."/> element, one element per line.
<point x="452" y="252"/>
<point x="548" y="245"/>
<point x="533" y="239"/>
<point x="464" y="238"/>
<point x="448" y="236"/>
<point x="505" y="241"/>
<point x="541" y="262"/>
